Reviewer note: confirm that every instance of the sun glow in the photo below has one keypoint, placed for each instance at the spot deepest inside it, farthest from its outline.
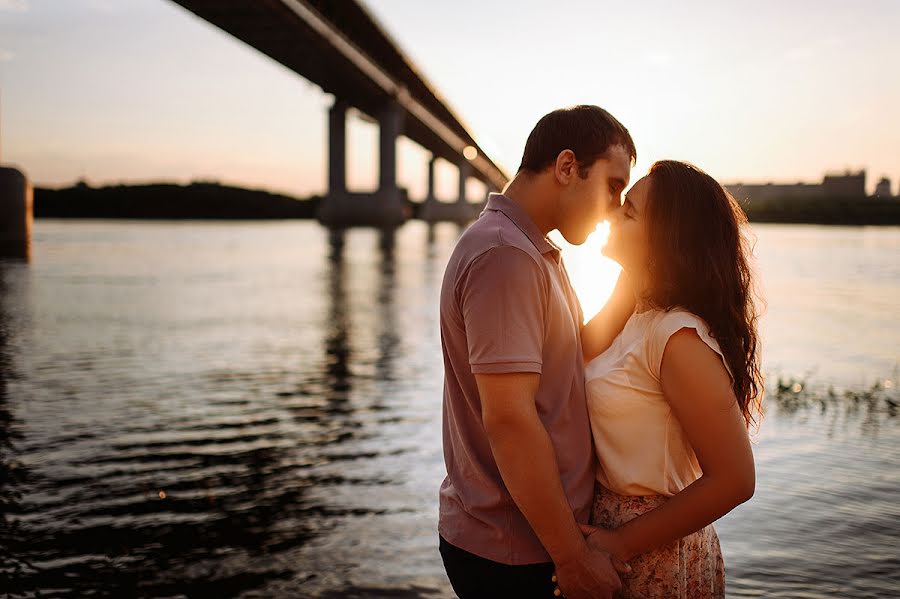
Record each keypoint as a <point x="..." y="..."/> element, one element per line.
<point x="593" y="274"/>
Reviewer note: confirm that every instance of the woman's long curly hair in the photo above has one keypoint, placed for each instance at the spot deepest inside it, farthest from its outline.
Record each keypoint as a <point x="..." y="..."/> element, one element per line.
<point x="700" y="262"/>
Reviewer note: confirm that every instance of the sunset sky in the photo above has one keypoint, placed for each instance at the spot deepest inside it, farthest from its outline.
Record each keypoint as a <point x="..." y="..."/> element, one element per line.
<point x="142" y="90"/>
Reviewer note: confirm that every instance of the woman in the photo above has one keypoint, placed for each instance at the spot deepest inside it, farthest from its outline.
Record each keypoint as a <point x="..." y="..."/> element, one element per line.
<point x="671" y="400"/>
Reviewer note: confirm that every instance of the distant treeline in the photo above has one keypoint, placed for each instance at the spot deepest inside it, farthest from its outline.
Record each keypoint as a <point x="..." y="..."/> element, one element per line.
<point x="198" y="200"/>
<point x="825" y="211"/>
<point x="169" y="201"/>
<point x="215" y="201"/>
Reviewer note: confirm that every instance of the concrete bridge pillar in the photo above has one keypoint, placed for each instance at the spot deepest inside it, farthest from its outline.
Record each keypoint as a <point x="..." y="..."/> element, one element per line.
<point x="431" y="205"/>
<point x="460" y="211"/>
<point x="16" y="214"/>
<point x="391" y="199"/>
<point x="431" y="197"/>
<point x="341" y="208"/>
<point x="467" y="212"/>
<point x="337" y="148"/>
<point x="465" y="169"/>
<point x="390" y="123"/>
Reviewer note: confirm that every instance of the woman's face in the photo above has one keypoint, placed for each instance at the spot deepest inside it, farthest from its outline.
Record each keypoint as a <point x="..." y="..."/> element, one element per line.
<point x="628" y="240"/>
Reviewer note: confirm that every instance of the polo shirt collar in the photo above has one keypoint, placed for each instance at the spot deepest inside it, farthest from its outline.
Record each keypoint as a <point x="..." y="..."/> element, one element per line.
<point x="520" y="218"/>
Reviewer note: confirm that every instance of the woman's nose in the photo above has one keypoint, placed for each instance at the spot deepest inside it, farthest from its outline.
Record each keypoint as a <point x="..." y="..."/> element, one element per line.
<point x="615" y="215"/>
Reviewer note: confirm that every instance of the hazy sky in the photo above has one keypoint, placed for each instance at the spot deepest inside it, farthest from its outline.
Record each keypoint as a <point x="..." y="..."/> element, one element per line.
<point x="137" y="90"/>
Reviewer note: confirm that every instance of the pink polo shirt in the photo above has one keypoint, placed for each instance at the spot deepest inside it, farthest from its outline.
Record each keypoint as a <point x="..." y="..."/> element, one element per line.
<point x="507" y="306"/>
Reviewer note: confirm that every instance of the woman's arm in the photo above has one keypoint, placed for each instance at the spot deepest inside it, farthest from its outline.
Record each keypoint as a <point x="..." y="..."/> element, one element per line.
<point x="697" y="386"/>
<point x="598" y="334"/>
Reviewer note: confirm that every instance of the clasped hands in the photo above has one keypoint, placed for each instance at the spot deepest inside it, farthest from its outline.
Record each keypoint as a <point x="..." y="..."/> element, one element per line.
<point x="596" y="572"/>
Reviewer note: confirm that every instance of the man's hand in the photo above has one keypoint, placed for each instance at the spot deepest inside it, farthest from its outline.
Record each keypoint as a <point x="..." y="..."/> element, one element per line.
<point x="589" y="574"/>
<point x="607" y="541"/>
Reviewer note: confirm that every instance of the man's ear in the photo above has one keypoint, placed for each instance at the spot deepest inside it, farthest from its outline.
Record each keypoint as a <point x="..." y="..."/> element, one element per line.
<point x="566" y="167"/>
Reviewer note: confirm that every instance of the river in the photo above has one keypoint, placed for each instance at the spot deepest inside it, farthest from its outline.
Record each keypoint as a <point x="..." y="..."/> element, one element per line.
<point x="230" y="409"/>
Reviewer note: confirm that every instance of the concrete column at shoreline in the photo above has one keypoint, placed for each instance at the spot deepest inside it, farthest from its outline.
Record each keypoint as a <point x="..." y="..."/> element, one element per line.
<point x="465" y="169"/>
<point x="16" y="214"/>
<point x="387" y="207"/>
<point x="337" y="148"/>
<point x="431" y="196"/>
<point x="390" y="126"/>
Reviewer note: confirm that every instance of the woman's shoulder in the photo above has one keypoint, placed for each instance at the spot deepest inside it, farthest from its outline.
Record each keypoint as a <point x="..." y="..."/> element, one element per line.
<point x="663" y="324"/>
<point x="673" y="320"/>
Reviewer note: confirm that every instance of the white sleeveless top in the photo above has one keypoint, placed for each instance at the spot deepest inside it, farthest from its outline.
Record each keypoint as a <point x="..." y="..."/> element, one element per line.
<point x="640" y="445"/>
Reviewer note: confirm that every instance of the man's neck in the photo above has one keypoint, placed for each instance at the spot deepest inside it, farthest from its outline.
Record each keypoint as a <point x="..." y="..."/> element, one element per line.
<point x="536" y="197"/>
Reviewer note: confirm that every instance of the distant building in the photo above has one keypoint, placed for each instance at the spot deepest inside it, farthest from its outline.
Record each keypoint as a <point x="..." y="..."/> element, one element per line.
<point x="847" y="185"/>
<point x="883" y="189"/>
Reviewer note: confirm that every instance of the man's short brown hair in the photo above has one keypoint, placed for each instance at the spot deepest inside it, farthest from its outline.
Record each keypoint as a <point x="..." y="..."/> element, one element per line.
<point x="587" y="130"/>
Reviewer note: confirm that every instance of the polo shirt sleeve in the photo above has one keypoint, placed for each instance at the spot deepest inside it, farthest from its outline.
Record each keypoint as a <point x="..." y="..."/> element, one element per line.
<point x="503" y="300"/>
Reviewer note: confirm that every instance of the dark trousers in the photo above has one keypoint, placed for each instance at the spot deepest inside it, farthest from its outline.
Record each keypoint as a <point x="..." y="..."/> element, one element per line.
<point x="474" y="577"/>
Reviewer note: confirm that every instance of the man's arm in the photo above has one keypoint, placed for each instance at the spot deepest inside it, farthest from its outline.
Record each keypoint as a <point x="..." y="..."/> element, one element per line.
<point x="527" y="462"/>
<point x="503" y="301"/>
<point x="598" y="334"/>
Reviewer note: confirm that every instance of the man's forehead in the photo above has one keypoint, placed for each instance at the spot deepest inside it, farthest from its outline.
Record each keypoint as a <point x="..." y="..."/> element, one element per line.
<point x="619" y="162"/>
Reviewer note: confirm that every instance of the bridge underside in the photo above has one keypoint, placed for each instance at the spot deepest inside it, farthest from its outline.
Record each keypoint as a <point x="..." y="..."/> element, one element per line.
<point x="341" y="48"/>
<point x="311" y="39"/>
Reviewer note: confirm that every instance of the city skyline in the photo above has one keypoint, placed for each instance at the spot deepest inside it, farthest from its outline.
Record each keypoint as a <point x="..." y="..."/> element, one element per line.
<point x="144" y="91"/>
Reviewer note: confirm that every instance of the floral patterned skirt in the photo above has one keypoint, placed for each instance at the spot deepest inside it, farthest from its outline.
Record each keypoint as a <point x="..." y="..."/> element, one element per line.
<point x="689" y="568"/>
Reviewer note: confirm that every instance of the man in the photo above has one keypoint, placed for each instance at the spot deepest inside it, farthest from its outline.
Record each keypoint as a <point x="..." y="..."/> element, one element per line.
<point x="517" y="440"/>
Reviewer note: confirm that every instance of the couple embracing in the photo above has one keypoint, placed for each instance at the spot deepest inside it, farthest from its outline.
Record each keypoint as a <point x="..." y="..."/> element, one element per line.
<point x="590" y="460"/>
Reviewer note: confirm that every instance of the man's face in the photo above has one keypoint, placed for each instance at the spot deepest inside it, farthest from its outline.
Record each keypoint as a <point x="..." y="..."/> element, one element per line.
<point x="585" y="202"/>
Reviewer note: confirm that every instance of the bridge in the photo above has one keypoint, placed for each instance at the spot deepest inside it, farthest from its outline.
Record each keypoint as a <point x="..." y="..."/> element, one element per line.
<point x="339" y="46"/>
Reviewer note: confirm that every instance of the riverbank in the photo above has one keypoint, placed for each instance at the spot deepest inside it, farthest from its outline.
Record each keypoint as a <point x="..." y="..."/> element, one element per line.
<point x="201" y="200"/>
<point x="198" y="200"/>
<point x="825" y="211"/>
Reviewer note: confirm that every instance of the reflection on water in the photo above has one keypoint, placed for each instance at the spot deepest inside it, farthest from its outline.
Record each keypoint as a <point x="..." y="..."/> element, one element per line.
<point x="824" y="520"/>
<point x="866" y="407"/>
<point x="253" y="410"/>
<point x="13" y="475"/>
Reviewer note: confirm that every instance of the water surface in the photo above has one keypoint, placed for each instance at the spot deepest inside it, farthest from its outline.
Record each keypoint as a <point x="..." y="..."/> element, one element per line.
<point x="228" y="409"/>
